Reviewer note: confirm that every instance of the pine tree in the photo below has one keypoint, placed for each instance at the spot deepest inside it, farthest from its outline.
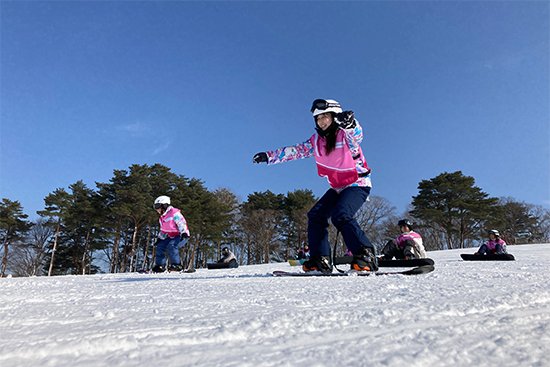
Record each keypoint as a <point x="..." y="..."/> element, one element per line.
<point x="453" y="206"/>
<point x="57" y="204"/>
<point x="13" y="225"/>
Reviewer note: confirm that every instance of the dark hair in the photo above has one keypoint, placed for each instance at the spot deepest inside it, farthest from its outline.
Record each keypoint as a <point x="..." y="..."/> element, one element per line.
<point x="405" y="222"/>
<point x="329" y="134"/>
<point x="331" y="139"/>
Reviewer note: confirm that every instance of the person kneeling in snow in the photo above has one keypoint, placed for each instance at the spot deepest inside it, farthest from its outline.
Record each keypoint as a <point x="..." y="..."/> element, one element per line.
<point x="495" y="245"/>
<point x="408" y="245"/>
<point x="228" y="258"/>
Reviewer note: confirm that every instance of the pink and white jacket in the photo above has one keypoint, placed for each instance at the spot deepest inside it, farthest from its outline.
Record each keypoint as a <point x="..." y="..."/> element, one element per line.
<point x="172" y="223"/>
<point x="343" y="167"/>
<point x="419" y="250"/>
<point x="492" y="245"/>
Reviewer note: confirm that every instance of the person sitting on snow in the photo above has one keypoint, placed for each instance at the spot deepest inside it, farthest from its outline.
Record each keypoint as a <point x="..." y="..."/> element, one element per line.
<point x="303" y="254"/>
<point x="495" y="245"/>
<point x="228" y="258"/>
<point x="408" y="245"/>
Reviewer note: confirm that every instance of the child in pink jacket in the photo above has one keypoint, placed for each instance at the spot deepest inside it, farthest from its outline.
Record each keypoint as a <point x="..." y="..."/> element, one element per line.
<point x="173" y="235"/>
<point x="495" y="245"/>
<point x="408" y="245"/>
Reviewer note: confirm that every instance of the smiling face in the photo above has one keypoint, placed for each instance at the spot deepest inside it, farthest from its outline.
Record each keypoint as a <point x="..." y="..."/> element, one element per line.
<point x="324" y="120"/>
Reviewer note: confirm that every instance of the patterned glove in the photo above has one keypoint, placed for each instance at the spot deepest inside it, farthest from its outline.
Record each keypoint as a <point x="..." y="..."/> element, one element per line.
<point x="346" y="120"/>
<point x="260" y="157"/>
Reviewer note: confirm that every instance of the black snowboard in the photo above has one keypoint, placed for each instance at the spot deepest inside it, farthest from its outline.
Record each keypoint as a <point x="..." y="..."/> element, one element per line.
<point x="490" y="257"/>
<point x="222" y="265"/>
<point x="414" y="271"/>
<point x="388" y="263"/>
<point x="404" y="263"/>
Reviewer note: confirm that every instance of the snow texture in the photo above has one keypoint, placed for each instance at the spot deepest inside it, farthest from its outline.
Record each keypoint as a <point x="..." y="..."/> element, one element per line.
<point x="462" y="314"/>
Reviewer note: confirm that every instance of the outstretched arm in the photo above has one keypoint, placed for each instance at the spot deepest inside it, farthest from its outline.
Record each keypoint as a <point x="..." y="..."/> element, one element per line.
<point x="285" y="154"/>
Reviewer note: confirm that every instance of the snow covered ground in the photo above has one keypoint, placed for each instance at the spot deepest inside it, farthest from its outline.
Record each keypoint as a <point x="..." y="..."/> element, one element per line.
<point x="462" y="314"/>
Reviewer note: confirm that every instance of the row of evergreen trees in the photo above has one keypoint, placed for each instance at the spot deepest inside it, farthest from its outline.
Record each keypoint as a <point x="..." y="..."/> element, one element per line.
<point x="112" y="227"/>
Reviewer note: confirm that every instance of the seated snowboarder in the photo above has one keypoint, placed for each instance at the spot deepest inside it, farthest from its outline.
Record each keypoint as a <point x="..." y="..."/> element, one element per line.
<point x="408" y="245"/>
<point x="495" y="245"/>
<point x="228" y="258"/>
<point x="303" y="254"/>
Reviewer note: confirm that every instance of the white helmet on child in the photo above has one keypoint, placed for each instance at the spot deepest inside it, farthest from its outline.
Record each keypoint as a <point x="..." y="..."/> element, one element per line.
<point x="320" y="106"/>
<point x="161" y="200"/>
<point x="495" y="232"/>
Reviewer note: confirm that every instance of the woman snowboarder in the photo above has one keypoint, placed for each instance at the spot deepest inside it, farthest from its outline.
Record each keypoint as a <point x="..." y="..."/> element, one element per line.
<point x="338" y="155"/>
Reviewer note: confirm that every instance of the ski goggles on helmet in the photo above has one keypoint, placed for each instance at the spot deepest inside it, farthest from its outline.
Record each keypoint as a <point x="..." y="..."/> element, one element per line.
<point x="321" y="104"/>
<point x="157" y="205"/>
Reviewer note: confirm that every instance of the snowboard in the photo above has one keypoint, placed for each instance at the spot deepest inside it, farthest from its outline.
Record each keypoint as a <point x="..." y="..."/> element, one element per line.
<point x="147" y="271"/>
<point x="424" y="269"/>
<point x="388" y="263"/>
<point x="220" y="266"/>
<point x="490" y="257"/>
<point x="404" y="263"/>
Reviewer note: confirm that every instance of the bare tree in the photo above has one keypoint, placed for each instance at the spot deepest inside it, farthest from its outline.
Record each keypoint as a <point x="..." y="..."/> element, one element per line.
<point x="261" y="227"/>
<point x="29" y="256"/>
<point x="543" y="223"/>
<point x="374" y="217"/>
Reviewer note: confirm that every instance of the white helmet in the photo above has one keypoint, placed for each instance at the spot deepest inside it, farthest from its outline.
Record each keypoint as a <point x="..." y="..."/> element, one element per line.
<point x="161" y="200"/>
<point x="320" y="106"/>
<point x="495" y="232"/>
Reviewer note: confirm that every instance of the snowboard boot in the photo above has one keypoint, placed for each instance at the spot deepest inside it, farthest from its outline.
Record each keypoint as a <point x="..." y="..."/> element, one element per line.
<point x="175" y="268"/>
<point x="318" y="263"/>
<point x="158" y="269"/>
<point x="366" y="261"/>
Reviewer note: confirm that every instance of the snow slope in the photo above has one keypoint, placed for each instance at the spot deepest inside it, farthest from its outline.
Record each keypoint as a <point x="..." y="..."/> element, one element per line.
<point x="462" y="314"/>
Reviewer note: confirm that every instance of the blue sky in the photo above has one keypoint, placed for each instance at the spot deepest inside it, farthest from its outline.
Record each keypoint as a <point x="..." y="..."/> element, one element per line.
<point x="89" y="87"/>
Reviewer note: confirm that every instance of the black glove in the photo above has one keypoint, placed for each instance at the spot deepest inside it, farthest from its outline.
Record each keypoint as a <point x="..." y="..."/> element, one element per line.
<point x="260" y="157"/>
<point x="346" y="119"/>
<point x="184" y="236"/>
